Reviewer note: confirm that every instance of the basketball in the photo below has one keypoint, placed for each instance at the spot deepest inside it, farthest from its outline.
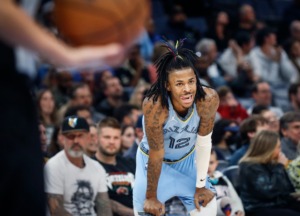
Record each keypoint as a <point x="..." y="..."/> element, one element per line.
<point x="99" y="22"/>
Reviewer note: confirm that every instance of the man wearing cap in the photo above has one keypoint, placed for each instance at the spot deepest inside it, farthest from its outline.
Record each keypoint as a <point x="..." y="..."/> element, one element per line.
<point x="75" y="184"/>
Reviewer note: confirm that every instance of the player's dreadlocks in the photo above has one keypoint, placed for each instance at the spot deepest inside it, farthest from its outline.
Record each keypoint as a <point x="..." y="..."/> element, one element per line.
<point x="175" y="59"/>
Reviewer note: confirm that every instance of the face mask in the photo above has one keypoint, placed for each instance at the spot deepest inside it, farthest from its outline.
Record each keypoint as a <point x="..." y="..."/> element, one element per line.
<point x="214" y="181"/>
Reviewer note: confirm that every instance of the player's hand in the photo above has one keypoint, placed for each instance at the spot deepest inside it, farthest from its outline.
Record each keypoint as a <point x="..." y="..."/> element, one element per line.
<point x="202" y="196"/>
<point x="154" y="207"/>
<point x="92" y="57"/>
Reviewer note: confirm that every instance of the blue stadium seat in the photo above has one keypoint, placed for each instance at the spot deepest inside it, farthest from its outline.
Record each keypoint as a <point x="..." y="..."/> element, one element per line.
<point x="232" y="173"/>
<point x="223" y="164"/>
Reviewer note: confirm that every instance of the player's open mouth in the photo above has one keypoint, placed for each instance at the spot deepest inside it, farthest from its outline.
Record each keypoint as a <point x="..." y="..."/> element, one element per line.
<point x="187" y="99"/>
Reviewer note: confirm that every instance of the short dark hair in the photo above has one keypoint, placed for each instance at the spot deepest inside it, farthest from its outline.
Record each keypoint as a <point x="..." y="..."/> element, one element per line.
<point x="293" y="89"/>
<point x="262" y="34"/>
<point x="258" y="109"/>
<point x="250" y="124"/>
<point x="124" y="110"/>
<point x="74" y="89"/>
<point x="74" y="109"/>
<point x="219" y="130"/>
<point x="109" y="122"/>
<point x="289" y="117"/>
<point x="223" y="91"/>
<point x="254" y="88"/>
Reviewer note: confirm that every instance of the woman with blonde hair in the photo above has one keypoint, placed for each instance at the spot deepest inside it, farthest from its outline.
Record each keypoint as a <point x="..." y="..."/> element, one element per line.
<point x="265" y="188"/>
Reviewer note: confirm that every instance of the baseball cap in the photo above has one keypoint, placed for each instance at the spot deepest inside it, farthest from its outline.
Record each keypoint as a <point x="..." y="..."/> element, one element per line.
<point x="74" y="123"/>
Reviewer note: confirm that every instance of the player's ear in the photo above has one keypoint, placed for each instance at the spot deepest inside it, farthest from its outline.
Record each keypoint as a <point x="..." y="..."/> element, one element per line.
<point x="167" y="85"/>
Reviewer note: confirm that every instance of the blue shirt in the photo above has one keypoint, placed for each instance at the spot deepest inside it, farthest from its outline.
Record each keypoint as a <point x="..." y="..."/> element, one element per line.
<point x="238" y="154"/>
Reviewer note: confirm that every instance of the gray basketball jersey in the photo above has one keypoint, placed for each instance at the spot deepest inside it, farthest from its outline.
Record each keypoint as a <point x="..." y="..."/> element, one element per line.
<point x="179" y="135"/>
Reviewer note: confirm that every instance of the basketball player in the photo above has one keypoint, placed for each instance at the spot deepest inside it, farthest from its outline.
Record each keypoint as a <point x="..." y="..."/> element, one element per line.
<point x="21" y="180"/>
<point x="173" y="156"/>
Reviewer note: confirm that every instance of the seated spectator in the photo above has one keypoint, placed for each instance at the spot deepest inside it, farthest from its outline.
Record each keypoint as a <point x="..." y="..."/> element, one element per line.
<point x="247" y="20"/>
<point x="209" y="53"/>
<point x="127" y="114"/>
<point x="114" y="96"/>
<point x="248" y="128"/>
<point x="292" y="48"/>
<point x="294" y="97"/>
<point x="137" y="96"/>
<point x="234" y="61"/>
<point x="139" y="133"/>
<point x="229" y="107"/>
<point x="219" y="30"/>
<point x="270" y="116"/>
<point x="81" y="95"/>
<point x="290" y="130"/>
<point x="262" y="95"/>
<point x="56" y="144"/>
<point x="80" y="111"/>
<point x="119" y="171"/>
<point x="127" y="138"/>
<point x="60" y="83"/>
<point x="75" y="184"/>
<point x="228" y="201"/>
<point x="92" y="145"/>
<point x="177" y="28"/>
<point x="224" y="138"/>
<point x="293" y="170"/>
<point x="265" y="187"/>
<point x="134" y="70"/>
<point x="43" y="141"/>
<point x="47" y="112"/>
<point x="271" y="64"/>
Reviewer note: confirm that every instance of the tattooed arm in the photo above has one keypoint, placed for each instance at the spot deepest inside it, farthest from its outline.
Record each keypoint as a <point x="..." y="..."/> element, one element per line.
<point x="56" y="205"/>
<point x="103" y="205"/>
<point x="155" y="117"/>
<point x="207" y="109"/>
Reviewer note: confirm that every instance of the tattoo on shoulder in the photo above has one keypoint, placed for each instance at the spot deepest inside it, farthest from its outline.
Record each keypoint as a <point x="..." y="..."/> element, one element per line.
<point x="155" y="116"/>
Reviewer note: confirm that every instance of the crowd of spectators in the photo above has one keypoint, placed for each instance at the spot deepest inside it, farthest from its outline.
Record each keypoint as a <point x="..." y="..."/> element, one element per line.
<point x="250" y="57"/>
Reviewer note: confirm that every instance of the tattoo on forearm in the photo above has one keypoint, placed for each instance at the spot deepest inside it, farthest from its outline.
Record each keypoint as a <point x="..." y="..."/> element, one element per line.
<point x="103" y="204"/>
<point x="154" y="169"/>
<point x="56" y="205"/>
<point x="155" y="116"/>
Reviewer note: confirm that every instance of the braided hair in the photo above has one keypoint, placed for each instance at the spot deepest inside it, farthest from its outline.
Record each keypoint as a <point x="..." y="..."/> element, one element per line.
<point x="176" y="58"/>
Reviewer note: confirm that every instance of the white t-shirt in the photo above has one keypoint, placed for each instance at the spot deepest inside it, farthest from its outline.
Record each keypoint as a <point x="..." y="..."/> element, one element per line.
<point x="79" y="186"/>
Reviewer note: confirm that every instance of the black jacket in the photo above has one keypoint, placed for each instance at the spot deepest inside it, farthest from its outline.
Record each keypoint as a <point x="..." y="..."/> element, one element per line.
<point x="264" y="185"/>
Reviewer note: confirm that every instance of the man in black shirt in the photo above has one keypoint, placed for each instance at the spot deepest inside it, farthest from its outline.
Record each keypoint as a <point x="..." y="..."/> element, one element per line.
<point x="119" y="171"/>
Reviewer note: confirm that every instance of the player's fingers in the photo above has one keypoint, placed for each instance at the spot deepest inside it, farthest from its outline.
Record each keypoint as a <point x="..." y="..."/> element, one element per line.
<point x="163" y="209"/>
<point x="197" y="203"/>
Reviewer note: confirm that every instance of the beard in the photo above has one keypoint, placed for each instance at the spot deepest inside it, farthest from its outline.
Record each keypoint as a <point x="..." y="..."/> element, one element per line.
<point x="109" y="153"/>
<point x="75" y="154"/>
